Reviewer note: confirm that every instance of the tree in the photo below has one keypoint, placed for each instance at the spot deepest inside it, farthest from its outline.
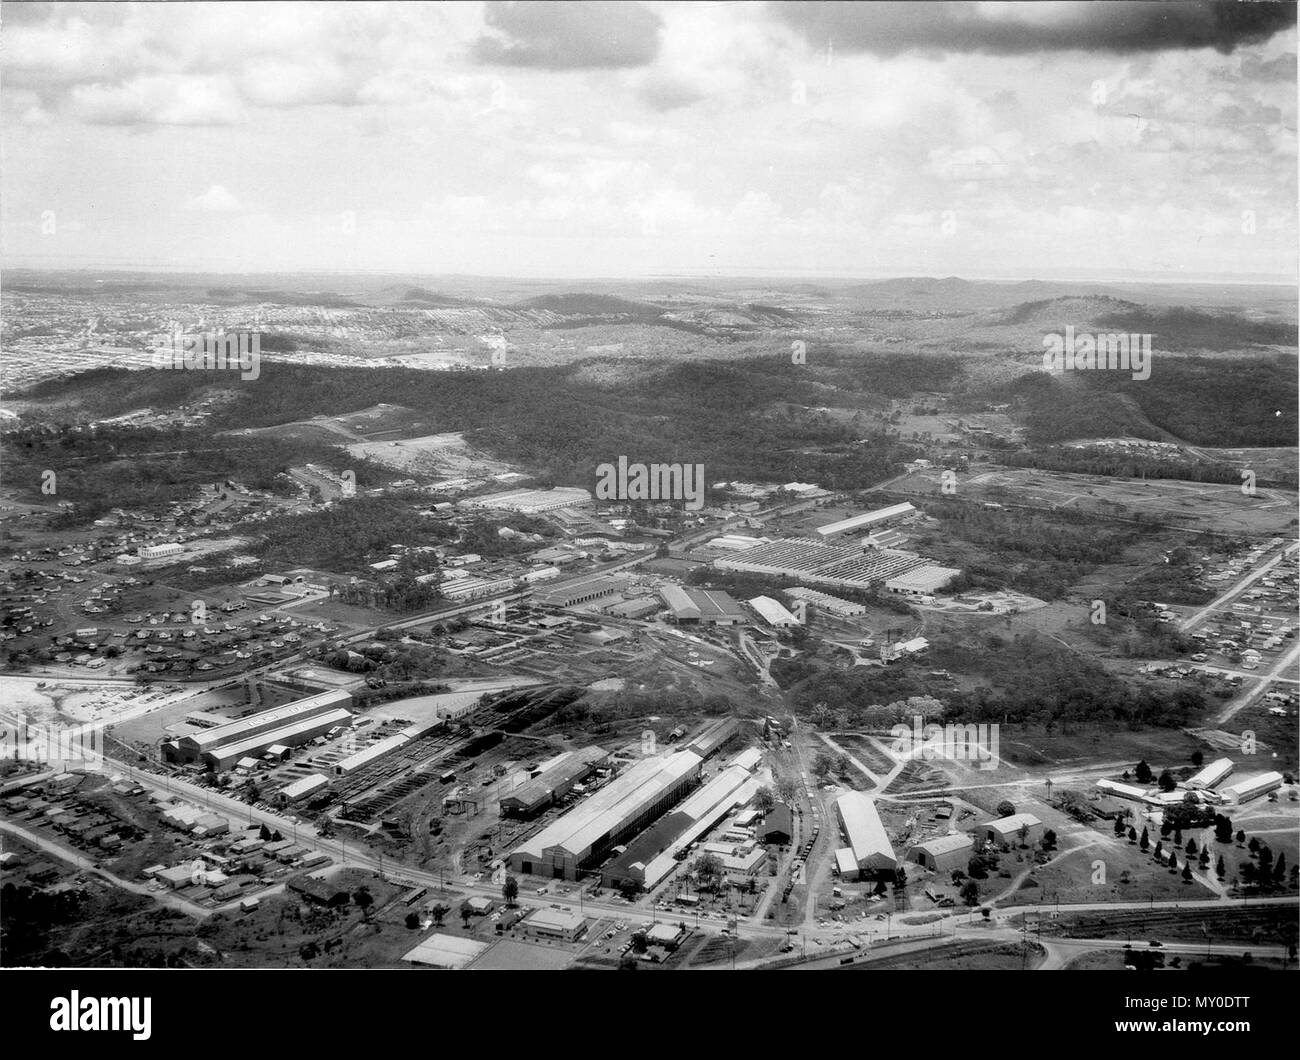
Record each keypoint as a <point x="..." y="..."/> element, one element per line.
<point x="1160" y="850"/>
<point x="1143" y="772"/>
<point x="1166" y="781"/>
<point x="1279" y="869"/>
<point x="1145" y="842"/>
<point x="709" y="867"/>
<point x="1253" y="845"/>
<point x="970" y="893"/>
<point x="1132" y="834"/>
<point x="510" y="890"/>
<point x="1197" y="759"/>
<point x="1204" y="862"/>
<point x="1119" y="826"/>
<point x="1222" y="829"/>
<point x="1191" y="846"/>
<point x="1006" y="809"/>
<point x="439" y="912"/>
<point x="900" y="878"/>
<point x="823" y="764"/>
<point x="1022" y="833"/>
<point x="412" y="921"/>
<point x="1241" y="836"/>
<point x="764" y="800"/>
<point x="364" y="900"/>
<point x="1219" y="869"/>
<point x="1187" y="872"/>
<point x="787" y="790"/>
<point x="1049" y="840"/>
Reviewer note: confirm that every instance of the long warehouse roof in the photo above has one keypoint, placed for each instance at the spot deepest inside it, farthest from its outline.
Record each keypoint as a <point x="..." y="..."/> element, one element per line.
<point x="560" y="771"/>
<point x="866" y="519"/>
<point x="618" y="800"/>
<point x="262" y="740"/>
<point x="863" y="827"/>
<point x="221" y="734"/>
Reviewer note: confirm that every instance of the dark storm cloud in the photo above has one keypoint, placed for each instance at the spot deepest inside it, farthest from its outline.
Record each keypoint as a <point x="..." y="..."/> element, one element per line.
<point x="569" y="36"/>
<point x="1101" y="26"/>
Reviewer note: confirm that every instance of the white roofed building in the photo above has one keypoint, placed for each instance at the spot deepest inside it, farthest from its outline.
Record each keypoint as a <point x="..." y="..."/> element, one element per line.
<point x="773" y="613"/>
<point x="868" y="842"/>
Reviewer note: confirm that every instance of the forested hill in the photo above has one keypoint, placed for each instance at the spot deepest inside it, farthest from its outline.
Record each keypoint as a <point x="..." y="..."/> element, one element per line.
<point x="732" y="417"/>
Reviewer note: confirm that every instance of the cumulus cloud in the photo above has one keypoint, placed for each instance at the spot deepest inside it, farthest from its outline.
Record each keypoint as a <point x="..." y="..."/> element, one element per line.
<point x="1016" y="28"/>
<point x="215" y="200"/>
<point x="161" y="99"/>
<point x="559" y="35"/>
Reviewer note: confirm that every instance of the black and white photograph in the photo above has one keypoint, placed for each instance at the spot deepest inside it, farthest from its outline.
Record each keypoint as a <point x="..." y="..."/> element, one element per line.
<point x="650" y="486"/>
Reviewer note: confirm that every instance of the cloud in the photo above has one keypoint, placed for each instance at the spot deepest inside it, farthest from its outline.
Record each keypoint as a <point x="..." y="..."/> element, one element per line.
<point x="157" y="100"/>
<point x="215" y="200"/>
<point x="663" y="93"/>
<point x="1017" y="28"/>
<point x="558" y="35"/>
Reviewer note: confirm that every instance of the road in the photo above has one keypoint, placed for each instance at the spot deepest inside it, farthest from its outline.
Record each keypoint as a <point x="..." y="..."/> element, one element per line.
<point x="1262" y="681"/>
<point x="56" y="850"/>
<point x="1243" y="583"/>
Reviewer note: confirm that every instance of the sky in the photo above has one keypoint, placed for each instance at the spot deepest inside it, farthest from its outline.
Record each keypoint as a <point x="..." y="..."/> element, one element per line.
<point x="1070" y="140"/>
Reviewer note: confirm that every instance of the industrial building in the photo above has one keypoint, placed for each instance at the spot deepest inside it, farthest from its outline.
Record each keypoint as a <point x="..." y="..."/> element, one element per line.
<point x="873" y="520"/>
<point x="944" y="854"/>
<point x="869" y="850"/>
<point x="653" y="854"/>
<point x="925" y="580"/>
<point x="529" y="502"/>
<point x="703" y="606"/>
<point x="1121" y="791"/>
<point x="1214" y="773"/>
<point x="159" y="551"/>
<point x="778" y="826"/>
<point x="830" y="604"/>
<point x="884" y="539"/>
<point x="823" y="563"/>
<point x="588" y="833"/>
<point x="773" y="613"/>
<point x="556" y="924"/>
<point x="582" y="590"/>
<point x="1250" y="788"/>
<point x="382" y="748"/>
<point x="1005" y="831"/>
<point x="639" y="608"/>
<point x="293" y="734"/>
<point x="304" y="788"/>
<point x="716" y="733"/>
<point x="291" y="725"/>
<point x="736" y="542"/>
<point x="553" y="783"/>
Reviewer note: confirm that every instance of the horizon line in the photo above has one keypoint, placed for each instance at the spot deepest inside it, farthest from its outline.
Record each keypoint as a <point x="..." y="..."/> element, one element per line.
<point x="772" y="275"/>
